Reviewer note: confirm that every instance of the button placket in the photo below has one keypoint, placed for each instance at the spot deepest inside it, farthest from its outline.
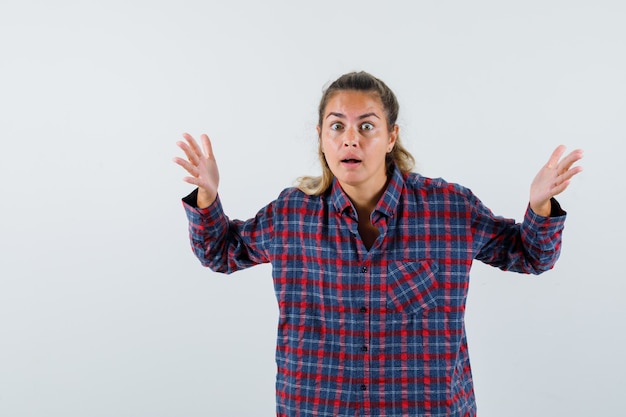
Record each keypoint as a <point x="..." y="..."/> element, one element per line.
<point x="364" y="276"/>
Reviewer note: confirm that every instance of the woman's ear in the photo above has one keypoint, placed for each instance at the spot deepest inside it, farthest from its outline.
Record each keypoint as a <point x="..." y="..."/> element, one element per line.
<point x="393" y="135"/>
<point x="319" y="136"/>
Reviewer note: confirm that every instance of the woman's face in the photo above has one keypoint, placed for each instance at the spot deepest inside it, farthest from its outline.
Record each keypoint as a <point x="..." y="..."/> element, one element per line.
<point x="355" y="140"/>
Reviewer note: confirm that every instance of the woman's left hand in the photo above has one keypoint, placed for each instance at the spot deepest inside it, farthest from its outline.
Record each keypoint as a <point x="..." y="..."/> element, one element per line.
<point x="553" y="179"/>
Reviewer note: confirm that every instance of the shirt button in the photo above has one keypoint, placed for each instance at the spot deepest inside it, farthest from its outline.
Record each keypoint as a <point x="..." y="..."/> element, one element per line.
<point x="363" y="269"/>
<point x="363" y="310"/>
<point x="364" y="348"/>
<point x="363" y="387"/>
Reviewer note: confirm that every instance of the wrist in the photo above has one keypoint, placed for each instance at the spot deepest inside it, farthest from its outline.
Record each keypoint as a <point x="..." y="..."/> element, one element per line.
<point x="204" y="199"/>
<point x="542" y="209"/>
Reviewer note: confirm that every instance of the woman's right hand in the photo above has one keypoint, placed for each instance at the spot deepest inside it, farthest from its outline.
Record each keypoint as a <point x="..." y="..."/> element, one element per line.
<point x="201" y="167"/>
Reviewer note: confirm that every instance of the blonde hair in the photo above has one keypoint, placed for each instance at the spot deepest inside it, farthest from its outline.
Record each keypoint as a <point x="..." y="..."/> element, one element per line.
<point x="358" y="81"/>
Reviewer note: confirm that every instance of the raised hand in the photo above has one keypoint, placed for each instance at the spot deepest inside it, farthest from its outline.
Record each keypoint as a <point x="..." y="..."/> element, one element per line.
<point x="553" y="179"/>
<point x="201" y="166"/>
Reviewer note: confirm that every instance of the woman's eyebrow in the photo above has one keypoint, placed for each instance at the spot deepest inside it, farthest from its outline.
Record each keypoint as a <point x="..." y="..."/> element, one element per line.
<point x="366" y="115"/>
<point x="343" y="116"/>
<point x="339" y="115"/>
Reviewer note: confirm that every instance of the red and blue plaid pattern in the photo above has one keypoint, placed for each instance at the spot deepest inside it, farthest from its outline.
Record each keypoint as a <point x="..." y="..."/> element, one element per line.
<point x="376" y="332"/>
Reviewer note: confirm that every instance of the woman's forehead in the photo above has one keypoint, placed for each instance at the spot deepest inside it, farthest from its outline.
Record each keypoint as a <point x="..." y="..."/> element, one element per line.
<point x="353" y="101"/>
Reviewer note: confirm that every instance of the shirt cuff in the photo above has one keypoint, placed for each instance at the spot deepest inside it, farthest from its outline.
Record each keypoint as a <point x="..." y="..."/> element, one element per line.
<point x="554" y="221"/>
<point x="555" y="209"/>
<point x="200" y="217"/>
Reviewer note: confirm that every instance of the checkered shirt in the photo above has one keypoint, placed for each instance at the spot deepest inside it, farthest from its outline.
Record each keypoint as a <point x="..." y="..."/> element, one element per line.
<point x="376" y="332"/>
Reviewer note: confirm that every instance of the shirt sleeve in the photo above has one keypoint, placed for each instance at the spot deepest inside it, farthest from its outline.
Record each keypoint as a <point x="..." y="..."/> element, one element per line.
<point x="531" y="247"/>
<point x="226" y="245"/>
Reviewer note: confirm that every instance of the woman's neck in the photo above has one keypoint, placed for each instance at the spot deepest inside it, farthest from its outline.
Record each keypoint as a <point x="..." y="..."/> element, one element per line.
<point x="364" y="201"/>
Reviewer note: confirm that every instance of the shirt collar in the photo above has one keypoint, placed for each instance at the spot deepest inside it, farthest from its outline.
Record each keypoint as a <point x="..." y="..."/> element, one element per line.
<point x="387" y="204"/>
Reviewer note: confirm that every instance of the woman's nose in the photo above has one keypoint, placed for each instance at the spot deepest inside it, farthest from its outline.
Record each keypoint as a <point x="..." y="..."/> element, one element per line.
<point x="350" y="138"/>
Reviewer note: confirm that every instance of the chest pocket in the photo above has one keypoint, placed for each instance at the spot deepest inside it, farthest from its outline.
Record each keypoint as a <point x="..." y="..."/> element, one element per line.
<point x="412" y="286"/>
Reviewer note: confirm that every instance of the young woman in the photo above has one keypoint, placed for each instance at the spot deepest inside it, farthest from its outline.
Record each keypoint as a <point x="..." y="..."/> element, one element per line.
<point x="371" y="262"/>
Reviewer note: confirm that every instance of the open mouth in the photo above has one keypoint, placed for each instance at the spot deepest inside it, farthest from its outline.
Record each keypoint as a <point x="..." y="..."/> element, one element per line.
<point x="351" y="161"/>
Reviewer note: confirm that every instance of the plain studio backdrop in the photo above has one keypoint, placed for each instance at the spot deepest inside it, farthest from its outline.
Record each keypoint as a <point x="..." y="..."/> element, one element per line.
<point x="104" y="311"/>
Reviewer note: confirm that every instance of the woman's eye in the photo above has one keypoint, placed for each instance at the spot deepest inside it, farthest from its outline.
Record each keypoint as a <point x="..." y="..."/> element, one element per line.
<point x="336" y="126"/>
<point x="367" y="126"/>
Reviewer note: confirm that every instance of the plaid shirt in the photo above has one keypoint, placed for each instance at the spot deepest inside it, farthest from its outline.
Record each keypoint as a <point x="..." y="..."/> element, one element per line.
<point x="376" y="332"/>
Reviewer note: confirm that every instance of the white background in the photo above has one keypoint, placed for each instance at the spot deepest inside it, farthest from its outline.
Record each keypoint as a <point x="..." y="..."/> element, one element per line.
<point x="104" y="311"/>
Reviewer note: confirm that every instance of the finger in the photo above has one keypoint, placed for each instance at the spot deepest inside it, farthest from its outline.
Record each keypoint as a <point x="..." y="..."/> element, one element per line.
<point x="206" y="145"/>
<point x="559" y="188"/>
<point x="570" y="160"/>
<point x="564" y="180"/>
<point x="195" y="181"/>
<point x="556" y="156"/>
<point x="573" y="156"/>
<point x="193" y="144"/>
<point x="191" y="169"/>
<point x="191" y="155"/>
<point x="567" y="175"/>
